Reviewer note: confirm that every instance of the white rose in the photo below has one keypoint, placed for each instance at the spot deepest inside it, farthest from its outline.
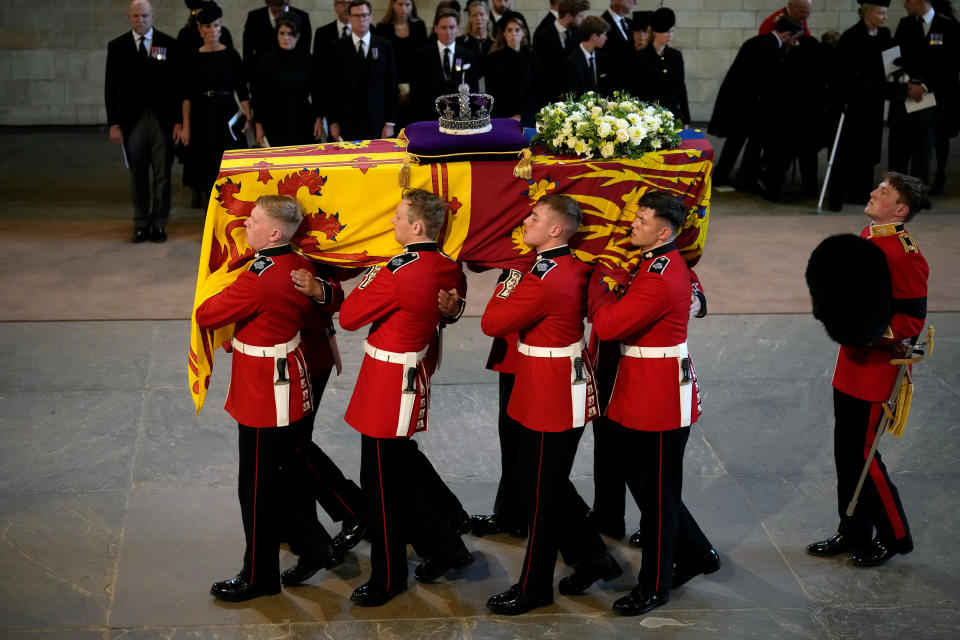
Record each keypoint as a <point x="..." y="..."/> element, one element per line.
<point x="580" y="146"/>
<point x="606" y="150"/>
<point x="622" y="135"/>
<point x="636" y="135"/>
<point x="572" y="142"/>
<point x="596" y="112"/>
<point x="604" y="129"/>
<point x="622" y="124"/>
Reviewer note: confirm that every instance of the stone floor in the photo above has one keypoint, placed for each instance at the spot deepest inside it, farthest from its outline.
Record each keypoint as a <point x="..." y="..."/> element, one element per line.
<point x="118" y="505"/>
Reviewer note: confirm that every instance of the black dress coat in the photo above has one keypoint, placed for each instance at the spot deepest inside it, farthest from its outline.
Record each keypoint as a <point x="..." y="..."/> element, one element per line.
<point x="546" y="42"/>
<point x="133" y="84"/>
<point x="660" y="78"/>
<point x="428" y="83"/>
<point x="932" y="59"/>
<point x="513" y="79"/>
<point x="577" y="78"/>
<point x="366" y="95"/>
<point x="260" y="37"/>
<point x="619" y="51"/>
<point x="739" y="108"/>
<point x="282" y="91"/>
<point x="324" y="37"/>
<point x="864" y="87"/>
<point x="405" y="49"/>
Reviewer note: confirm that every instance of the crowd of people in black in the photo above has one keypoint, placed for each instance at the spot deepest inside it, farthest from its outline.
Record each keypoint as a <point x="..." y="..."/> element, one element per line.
<point x="352" y="79"/>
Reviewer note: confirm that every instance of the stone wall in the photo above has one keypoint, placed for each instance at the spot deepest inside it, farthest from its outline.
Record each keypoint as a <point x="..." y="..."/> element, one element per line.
<point x="52" y="52"/>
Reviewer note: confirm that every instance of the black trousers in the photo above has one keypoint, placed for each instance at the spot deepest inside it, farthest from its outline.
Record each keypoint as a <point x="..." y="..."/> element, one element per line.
<point x="879" y="503"/>
<point x="556" y="523"/>
<point x="912" y="140"/>
<point x="262" y="488"/>
<point x="670" y="534"/>
<point x="749" y="166"/>
<point x="393" y="473"/>
<point x="609" y="480"/>
<point x="508" y="504"/>
<point x="149" y="150"/>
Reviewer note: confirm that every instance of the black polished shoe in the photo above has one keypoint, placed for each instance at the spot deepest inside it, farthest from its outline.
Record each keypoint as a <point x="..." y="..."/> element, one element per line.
<point x="433" y="567"/>
<point x="494" y="524"/>
<point x="239" y="590"/>
<point x="710" y="563"/>
<point x="351" y="533"/>
<point x="637" y="602"/>
<point x="513" y="601"/>
<point x="636" y="540"/>
<point x="878" y="552"/>
<point x="584" y="576"/>
<point x="367" y="595"/>
<point x="611" y="527"/>
<point x="307" y="566"/>
<point x="158" y="234"/>
<point x="140" y="234"/>
<point x="834" y="546"/>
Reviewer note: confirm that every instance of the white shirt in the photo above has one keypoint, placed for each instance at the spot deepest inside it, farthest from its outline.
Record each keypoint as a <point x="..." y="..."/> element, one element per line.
<point x="562" y="30"/>
<point x="147" y="39"/>
<point x="927" y="20"/>
<point x="556" y="14"/>
<point x="340" y="26"/>
<point x="618" y="21"/>
<point x="453" y="52"/>
<point x="366" y="42"/>
<point x="589" y="55"/>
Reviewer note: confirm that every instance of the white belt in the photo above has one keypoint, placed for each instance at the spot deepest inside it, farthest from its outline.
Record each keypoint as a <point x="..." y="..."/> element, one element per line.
<point x="281" y="388"/>
<point x="408" y="393"/>
<point x="578" y="386"/>
<point x="679" y="352"/>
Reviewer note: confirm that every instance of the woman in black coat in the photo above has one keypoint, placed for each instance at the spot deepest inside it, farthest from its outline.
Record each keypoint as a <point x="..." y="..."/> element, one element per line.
<point x="282" y="89"/>
<point x="407" y="33"/>
<point x="513" y="72"/>
<point x="214" y="74"/>
<point x="189" y="36"/>
<point x="863" y="82"/>
<point x="660" y="75"/>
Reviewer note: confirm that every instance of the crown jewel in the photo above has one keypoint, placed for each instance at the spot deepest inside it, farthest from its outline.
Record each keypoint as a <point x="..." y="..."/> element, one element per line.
<point x="464" y="113"/>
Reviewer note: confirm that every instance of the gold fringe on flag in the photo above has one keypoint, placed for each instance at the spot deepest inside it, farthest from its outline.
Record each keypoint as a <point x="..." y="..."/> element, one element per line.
<point x="524" y="168"/>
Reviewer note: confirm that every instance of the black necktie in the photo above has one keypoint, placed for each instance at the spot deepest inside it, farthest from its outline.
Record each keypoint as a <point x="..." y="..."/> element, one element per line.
<point x="142" y="49"/>
<point x="563" y="40"/>
<point x="360" y="48"/>
<point x="446" y="64"/>
<point x="593" y="70"/>
<point x="623" y="25"/>
<point x="343" y="34"/>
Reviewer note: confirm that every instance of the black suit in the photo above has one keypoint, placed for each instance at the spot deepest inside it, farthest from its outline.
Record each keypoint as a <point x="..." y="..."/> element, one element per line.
<point x="577" y="78"/>
<point x="428" y="82"/>
<point x="513" y="79"/>
<point x="366" y="95"/>
<point x="619" y="50"/>
<point x="144" y="98"/>
<point x="546" y="42"/>
<point x="324" y="36"/>
<point x="260" y="37"/>
<point x="932" y="60"/>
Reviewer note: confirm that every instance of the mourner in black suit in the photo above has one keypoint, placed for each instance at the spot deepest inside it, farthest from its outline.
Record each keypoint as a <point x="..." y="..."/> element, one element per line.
<point x="189" y="37"/>
<point x="332" y="31"/>
<point x="659" y="73"/>
<point x="929" y="49"/>
<point x="555" y="41"/>
<point x="739" y="113"/>
<point x="587" y="68"/>
<point x="143" y="113"/>
<point x="862" y="82"/>
<point x="440" y="67"/>
<point x="551" y="16"/>
<point x="513" y="72"/>
<point x="363" y="68"/>
<point x="619" y="45"/>
<point x="951" y="110"/>
<point x="260" y="32"/>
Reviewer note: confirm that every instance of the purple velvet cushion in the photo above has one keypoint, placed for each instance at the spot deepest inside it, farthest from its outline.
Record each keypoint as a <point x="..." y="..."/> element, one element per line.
<point x="425" y="140"/>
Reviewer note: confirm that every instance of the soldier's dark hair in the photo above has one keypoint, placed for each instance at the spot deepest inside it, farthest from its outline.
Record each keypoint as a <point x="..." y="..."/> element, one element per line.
<point x="910" y="191"/>
<point x="428" y="208"/>
<point x="572" y="7"/>
<point x="665" y="206"/>
<point x="786" y="24"/>
<point x="593" y="25"/>
<point x="566" y="208"/>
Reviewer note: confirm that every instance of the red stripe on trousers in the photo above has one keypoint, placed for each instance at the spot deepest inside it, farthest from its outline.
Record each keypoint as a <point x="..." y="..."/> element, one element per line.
<point x="322" y="481"/>
<point x="879" y="481"/>
<point x="536" y="511"/>
<point x="383" y="509"/>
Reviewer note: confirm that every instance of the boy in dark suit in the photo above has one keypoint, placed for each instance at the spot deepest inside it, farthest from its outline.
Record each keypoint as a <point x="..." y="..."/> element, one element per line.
<point x="555" y="41"/>
<point x="587" y="69"/>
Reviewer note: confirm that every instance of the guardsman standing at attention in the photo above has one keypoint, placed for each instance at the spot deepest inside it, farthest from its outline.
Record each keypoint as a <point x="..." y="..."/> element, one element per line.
<point x="553" y="397"/>
<point x="392" y="398"/>
<point x="864" y="379"/>
<point x="654" y="401"/>
<point x="270" y="397"/>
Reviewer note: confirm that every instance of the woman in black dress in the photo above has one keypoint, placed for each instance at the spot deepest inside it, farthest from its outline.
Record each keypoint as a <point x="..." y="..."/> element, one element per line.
<point x="214" y="73"/>
<point x="189" y="36"/>
<point x="864" y="87"/>
<point x="282" y="89"/>
<point x="407" y="33"/>
<point x="477" y="36"/>
<point x="513" y="72"/>
<point x="660" y="76"/>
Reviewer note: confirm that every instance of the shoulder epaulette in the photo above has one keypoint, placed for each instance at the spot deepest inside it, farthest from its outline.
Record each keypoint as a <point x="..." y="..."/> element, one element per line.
<point x="659" y="265"/>
<point x="398" y="262"/>
<point x="909" y="246"/>
<point x="260" y="265"/>
<point x="543" y="267"/>
<point x="369" y="276"/>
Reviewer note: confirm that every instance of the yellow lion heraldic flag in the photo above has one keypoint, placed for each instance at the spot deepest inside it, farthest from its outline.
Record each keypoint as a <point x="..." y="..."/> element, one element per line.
<point x="350" y="190"/>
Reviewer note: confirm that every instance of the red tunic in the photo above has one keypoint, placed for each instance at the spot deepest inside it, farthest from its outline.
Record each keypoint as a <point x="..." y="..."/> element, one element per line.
<point x="653" y="312"/>
<point x="866" y="372"/>
<point x="267" y="310"/>
<point x="401" y="302"/>
<point x="318" y="330"/>
<point x="547" y="308"/>
<point x="767" y="25"/>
